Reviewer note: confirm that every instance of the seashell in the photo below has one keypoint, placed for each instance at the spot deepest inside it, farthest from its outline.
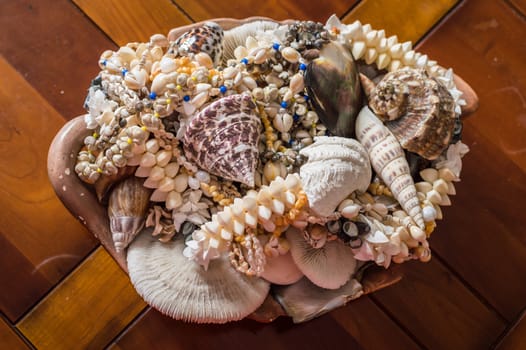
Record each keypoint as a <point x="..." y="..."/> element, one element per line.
<point x="330" y="266"/>
<point x="127" y="208"/>
<point x="178" y="287"/>
<point x="388" y="160"/>
<point x="207" y="38"/>
<point x="290" y="54"/>
<point x="238" y="36"/>
<point x="417" y="108"/>
<point x="335" y="168"/>
<point x="281" y="270"/>
<point x="304" y="301"/>
<point x="334" y="87"/>
<point x="223" y="138"/>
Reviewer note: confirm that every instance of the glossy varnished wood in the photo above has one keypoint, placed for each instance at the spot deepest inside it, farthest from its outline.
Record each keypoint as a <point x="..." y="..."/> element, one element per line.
<point x="36" y="230"/>
<point x="87" y="310"/>
<point x="483" y="40"/>
<point x="515" y="338"/>
<point x="9" y="339"/>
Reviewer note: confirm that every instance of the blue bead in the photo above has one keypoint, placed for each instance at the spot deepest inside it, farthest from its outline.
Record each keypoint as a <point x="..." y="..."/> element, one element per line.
<point x="284" y="104"/>
<point x="276" y="46"/>
<point x="186" y="98"/>
<point x="104" y="62"/>
<point x="124" y="71"/>
<point x="303" y="66"/>
<point x="152" y="95"/>
<point x="222" y="89"/>
<point x="244" y="61"/>
<point x="306" y="97"/>
<point x="296" y="117"/>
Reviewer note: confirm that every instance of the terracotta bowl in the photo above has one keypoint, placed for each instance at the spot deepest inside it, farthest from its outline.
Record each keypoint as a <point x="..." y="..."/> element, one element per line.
<point x="81" y="200"/>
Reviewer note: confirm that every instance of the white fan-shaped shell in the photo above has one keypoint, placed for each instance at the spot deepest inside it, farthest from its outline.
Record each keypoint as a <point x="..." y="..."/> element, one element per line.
<point x="182" y="289"/>
<point x="330" y="266"/>
<point x="237" y="36"/>
<point x="281" y="270"/>
<point x="336" y="167"/>
<point x="388" y="160"/>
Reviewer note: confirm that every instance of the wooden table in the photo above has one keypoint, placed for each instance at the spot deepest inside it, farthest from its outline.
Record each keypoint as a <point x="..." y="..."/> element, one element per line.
<point x="60" y="290"/>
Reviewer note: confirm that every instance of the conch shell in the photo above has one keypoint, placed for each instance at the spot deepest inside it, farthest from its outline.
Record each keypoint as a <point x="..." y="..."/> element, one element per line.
<point x="418" y="109"/>
<point x="127" y="208"/>
<point x="389" y="162"/>
<point x="333" y="84"/>
<point x="223" y="138"/>
<point x="336" y="167"/>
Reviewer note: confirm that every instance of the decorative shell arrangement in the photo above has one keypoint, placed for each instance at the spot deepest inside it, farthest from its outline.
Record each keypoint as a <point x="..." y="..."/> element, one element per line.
<point x="264" y="156"/>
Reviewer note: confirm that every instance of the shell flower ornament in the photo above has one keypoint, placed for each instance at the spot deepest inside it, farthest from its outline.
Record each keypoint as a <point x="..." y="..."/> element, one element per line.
<point x="261" y="165"/>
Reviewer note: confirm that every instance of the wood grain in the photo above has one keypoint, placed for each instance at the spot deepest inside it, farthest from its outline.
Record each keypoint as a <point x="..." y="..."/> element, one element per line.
<point x="54" y="47"/>
<point x="133" y="20"/>
<point x="155" y="331"/>
<point x="9" y="339"/>
<point x="438" y="309"/>
<point x="515" y="338"/>
<point x="371" y="327"/>
<point x="279" y="10"/>
<point x="87" y="309"/>
<point x="38" y="228"/>
<point x="480" y="42"/>
<point x="407" y="19"/>
<point x="519" y="5"/>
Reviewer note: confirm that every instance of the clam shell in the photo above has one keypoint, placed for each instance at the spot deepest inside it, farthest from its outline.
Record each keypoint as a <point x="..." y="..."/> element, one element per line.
<point x="182" y="289"/>
<point x="418" y="109"/>
<point x="388" y="160"/>
<point x="304" y="301"/>
<point x="207" y="38"/>
<point x="335" y="168"/>
<point x="281" y="270"/>
<point x="223" y="138"/>
<point x="330" y="266"/>
<point x="127" y="208"/>
<point x="333" y="84"/>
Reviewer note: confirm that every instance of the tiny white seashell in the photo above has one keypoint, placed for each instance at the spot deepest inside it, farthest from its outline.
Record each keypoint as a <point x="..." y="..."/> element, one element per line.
<point x="158" y="196"/>
<point x="193" y="183"/>
<point x="388" y="160"/>
<point x="167" y="184"/>
<point x="335" y="168"/>
<point x="163" y="157"/>
<point x="350" y="211"/>
<point x="290" y="54"/>
<point x="423" y="186"/>
<point x="152" y="146"/>
<point x="296" y="83"/>
<point x="157" y="173"/>
<point x="147" y="160"/>
<point x="440" y="185"/>
<point x="429" y="213"/>
<point x="181" y="182"/>
<point x="204" y="60"/>
<point x="171" y="169"/>
<point x="167" y="65"/>
<point x="429" y="175"/>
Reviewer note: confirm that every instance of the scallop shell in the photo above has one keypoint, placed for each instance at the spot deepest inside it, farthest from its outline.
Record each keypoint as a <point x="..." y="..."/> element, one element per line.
<point x="127" y="208"/>
<point x="223" y="138"/>
<point x="388" y="160"/>
<point x="418" y="109"/>
<point x="336" y="167"/>
<point x="207" y="38"/>
<point x="182" y="289"/>
<point x="330" y="266"/>
<point x="333" y="84"/>
<point x="281" y="270"/>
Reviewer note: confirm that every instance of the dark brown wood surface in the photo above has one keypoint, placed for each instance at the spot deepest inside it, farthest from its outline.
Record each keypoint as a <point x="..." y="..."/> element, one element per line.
<point x="59" y="289"/>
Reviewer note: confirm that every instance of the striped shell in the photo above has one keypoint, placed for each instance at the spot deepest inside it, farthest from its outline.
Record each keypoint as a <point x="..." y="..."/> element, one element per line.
<point x="418" y="109"/>
<point x="207" y="38"/>
<point x="223" y="138"/>
<point x="336" y="167"/>
<point x="389" y="162"/>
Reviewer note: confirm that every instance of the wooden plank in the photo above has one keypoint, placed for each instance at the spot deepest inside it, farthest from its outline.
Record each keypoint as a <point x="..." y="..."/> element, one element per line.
<point x="480" y="40"/>
<point x="155" y="331"/>
<point x="9" y="339"/>
<point x="515" y="338"/>
<point x="33" y="220"/>
<point x="88" y="309"/>
<point x="407" y="19"/>
<point x="54" y="47"/>
<point x="518" y="5"/>
<point x="438" y="309"/>
<point x="133" y="20"/>
<point x="302" y="10"/>
<point x="365" y="321"/>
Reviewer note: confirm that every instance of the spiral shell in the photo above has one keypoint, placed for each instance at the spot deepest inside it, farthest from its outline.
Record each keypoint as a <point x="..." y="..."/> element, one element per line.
<point x="223" y="138"/>
<point x="336" y="167"/>
<point x="389" y="162"/>
<point x="418" y="109"/>
<point x="127" y="208"/>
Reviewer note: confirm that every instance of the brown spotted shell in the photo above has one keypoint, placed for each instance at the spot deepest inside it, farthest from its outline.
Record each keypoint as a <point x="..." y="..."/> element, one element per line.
<point x="418" y="109"/>
<point x="223" y="138"/>
<point x="208" y="39"/>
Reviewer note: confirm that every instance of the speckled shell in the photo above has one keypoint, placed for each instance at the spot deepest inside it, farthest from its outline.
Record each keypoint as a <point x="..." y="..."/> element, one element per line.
<point x="418" y="109"/>
<point x="208" y="39"/>
<point x="223" y="138"/>
<point x="389" y="162"/>
<point x="333" y="84"/>
<point x="127" y="208"/>
<point x="335" y="168"/>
